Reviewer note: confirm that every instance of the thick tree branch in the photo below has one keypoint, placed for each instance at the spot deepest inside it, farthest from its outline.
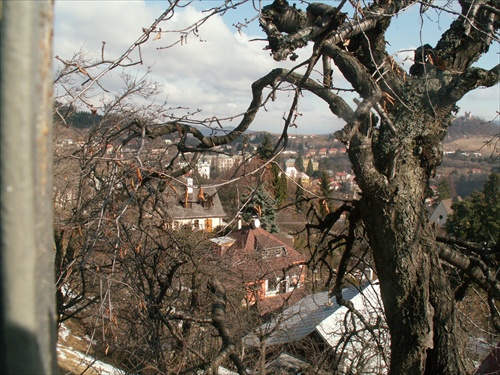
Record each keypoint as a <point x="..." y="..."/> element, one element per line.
<point x="468" y="37"/>
<point x="219" y="322"/>
<point x="471" y="268"/>
<point x="471" y="79"/>
<point x="495" y="314"/>
<point x="357" y="75"/>
<point x="301" y="32"/>
<point x="337" y="105"/>
<point x="207" y="142"/>
<point x="354" y="217"/>
<point x="166" y="282"/>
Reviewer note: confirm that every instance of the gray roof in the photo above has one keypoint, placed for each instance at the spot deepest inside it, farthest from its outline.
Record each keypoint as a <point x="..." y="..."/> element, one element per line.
<point x="443" y="210"/>
<point x="220" y="241"/>
<point x="196" y="209"/>
<point x="314" y="312"/>
<point x="287" y="364"/>
<point x="367" y="302"/>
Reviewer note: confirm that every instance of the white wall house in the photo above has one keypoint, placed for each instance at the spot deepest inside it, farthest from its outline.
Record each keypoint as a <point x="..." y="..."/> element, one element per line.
<point x="199" y="208"/>
<point x="204" y="169"/>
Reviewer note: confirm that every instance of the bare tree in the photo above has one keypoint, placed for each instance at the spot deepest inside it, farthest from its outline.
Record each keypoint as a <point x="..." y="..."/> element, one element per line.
<point x="393" y="135"/>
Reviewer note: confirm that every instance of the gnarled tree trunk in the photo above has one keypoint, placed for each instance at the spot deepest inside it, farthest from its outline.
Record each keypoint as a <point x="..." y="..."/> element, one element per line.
<point x="394" y="140"/>
<point x="417" y="295"/>
<point x="418" y="299"/>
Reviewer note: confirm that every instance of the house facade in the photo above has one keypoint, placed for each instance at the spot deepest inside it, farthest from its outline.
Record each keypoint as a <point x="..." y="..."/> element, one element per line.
<point x="440" y="214"/>
<point x="197" y="208"/>
<point x="264" y="262"/>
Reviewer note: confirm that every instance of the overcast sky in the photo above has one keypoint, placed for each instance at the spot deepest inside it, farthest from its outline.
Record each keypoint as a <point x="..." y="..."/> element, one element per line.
<point x="215" y="71"/>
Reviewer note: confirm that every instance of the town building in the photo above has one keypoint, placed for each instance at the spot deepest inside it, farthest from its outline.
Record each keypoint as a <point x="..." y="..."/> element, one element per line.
<point x="291" y="172"/>
<point x="203" y="168"/>
<point x="290" y="163"/>
<point x="197" y="208"/>
<point x="440" y="214"/>
<point x="266" y="263"/>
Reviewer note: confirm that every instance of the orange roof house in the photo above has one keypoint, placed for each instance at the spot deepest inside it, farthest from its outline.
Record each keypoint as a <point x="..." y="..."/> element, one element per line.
<point x="265" y="263"/>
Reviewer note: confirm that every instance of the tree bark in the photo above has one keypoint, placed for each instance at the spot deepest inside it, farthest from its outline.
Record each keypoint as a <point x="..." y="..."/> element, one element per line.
<point x="418" y="299"/>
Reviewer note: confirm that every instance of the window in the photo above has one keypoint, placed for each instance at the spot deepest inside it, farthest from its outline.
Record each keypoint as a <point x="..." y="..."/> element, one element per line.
<point x="272" y="286"/>
<point x="208" y="225"/>
<point x="274" y="252"/>
<point x="283" y="287"/>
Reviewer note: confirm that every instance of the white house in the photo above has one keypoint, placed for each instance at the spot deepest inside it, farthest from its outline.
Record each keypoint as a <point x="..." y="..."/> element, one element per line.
<point x="440" y="215"/>
<point x="198" y="208"/>
<point x="204" y="169"/>
<point x="291" y="172"/>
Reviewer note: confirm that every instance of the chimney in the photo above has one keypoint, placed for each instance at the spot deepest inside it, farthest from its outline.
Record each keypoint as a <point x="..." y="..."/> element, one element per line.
<point x="201" y="195"/>
<point x="190" y="185"/>
<point x="368" y="273"/>
<point x="188" y="193"/>
<point x="239" y="222"/>
<point x="186" y="198"/>
<point x="329" y="301"/>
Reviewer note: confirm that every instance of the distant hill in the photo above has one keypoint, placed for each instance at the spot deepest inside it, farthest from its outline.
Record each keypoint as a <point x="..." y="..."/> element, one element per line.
<point x="462" y="128"/>
<point x="471" y="127"/>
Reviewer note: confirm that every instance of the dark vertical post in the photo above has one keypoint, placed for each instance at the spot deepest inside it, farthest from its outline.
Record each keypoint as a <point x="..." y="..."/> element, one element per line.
<point x="27" y="308"/>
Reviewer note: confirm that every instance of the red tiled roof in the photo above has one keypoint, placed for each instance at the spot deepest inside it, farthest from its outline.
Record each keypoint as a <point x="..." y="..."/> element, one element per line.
<point x="258" y="253"/>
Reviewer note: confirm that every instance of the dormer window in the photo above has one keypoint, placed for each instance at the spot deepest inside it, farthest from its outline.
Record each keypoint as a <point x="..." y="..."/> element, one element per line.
<point x="272" y="286"/>
<point x="274" y="252"/>
<point x="207" y="202"/>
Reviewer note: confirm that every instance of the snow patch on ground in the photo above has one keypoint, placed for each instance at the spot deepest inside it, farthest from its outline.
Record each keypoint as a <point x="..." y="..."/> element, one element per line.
<point x="72" y="359"/>
<point x="64" y="332"/>
<point x="80" y="359"/>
